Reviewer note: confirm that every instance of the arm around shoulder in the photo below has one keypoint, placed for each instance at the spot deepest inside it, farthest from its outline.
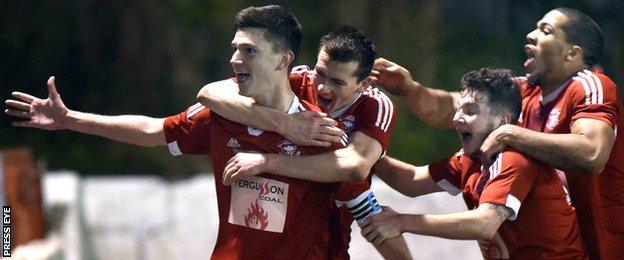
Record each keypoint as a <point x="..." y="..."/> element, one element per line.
<point x="434" y="106"/>
<point x="352" y="163"/>
<point x="585" y="150"/>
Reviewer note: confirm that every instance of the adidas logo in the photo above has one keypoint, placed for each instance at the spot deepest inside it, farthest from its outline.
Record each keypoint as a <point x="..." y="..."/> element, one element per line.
<point x="233" y="143"/>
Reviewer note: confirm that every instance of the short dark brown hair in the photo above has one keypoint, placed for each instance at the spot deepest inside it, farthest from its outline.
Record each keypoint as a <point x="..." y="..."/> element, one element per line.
<point x="503" y="95"/>
<point x="349" y="44"/>
<point x="283" y="29"/>
<point x="581" y="30"/>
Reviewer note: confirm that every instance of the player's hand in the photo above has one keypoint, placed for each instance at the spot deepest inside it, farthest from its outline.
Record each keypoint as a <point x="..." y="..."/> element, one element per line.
<point x="518" y="81"/>
<point x="392" y="77"/>
<point x="310" y="128"/>
<point x="48" y="114"/>
<point x="385" y="225"/>
<point x="494" y="144"/>
<point x="243" y="164"/>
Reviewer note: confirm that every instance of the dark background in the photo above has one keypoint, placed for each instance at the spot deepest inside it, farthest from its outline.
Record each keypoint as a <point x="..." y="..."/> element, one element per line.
<point x="151" y="58"/>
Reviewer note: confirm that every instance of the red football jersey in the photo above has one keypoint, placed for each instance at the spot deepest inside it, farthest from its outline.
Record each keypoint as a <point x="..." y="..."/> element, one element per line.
<point x="264" y="216"/>
<point x="543" y="224"/>
<point x="371" y="113"/>
<point x="302" y="84"/>
<point x="599" y="199"/>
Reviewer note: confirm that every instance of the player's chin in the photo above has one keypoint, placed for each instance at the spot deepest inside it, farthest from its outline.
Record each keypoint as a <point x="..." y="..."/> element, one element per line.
<point x="470" y="149"/>
<point x="324" y="103"/>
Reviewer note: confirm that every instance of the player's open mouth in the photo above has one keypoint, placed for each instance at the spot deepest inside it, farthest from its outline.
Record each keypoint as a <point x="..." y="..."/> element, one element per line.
<point x="324" y="101"/>
<point x="465" y="136"/>
<point x="242" y="76"/>
<point x="530" y="52"/>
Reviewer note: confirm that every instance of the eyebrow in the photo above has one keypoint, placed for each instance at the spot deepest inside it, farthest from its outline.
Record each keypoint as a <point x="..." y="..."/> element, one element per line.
<point x="244" y="45"/>
<point x="339" y="81"/>
<point x="542" y="24"/>
<point x="322" y="72"/>
<point x="470" y="103"/>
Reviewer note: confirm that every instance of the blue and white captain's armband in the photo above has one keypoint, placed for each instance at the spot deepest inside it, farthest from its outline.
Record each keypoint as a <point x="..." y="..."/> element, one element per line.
<point x="362" y="207"/>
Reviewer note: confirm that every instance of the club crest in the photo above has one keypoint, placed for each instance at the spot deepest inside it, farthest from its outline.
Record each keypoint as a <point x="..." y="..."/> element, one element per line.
<point x="288" y="148"/>
<point x="553" y="119"/>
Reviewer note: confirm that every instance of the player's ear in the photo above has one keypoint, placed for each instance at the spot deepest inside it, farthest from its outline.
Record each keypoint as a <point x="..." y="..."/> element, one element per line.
<point x="576" y="52"/>
<point x="505" y="119"/>
<point x="365" y="83"/>
<point x="287" y="58"/>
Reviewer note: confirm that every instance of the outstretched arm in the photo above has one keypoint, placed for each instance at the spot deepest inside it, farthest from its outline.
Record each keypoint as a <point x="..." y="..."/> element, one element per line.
<point x="52" y="114"/>
<point x="305" y="128"/>
<point x="407" y="179"/>
<point x="352" y="163"/>
<point x="585" y="150"/>
<point x="480" y="223"/>
<point x="434" y="106"/>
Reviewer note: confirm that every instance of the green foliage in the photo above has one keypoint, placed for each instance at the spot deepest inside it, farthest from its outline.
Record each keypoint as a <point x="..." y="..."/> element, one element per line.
<point x="151" y="57"/>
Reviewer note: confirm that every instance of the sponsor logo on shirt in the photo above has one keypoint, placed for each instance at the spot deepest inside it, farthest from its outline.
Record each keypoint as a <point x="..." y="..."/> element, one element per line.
<point x="553" y="118"/>
<point x="256" y="217"/>
<point x="288" y="148"/>
<point x="254" y="131"/>
<point x="348" y="122"/>
<point x="233" y="143"/>
<point x="267" y="191"/>
<point x="259" y="203"/>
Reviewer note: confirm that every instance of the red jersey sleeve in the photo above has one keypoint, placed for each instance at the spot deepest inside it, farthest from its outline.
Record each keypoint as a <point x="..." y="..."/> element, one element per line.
<point x="359" y="200"/>
<point x="447" y="173"/>
<point x="522" y="84"/>
<point x="302" y="84"/>
<point x="350" y="190"/>
<point x="189" y="131"/>
<point x="377" y="117"/>
<point x="594" y="95"/>
<point x="511" y="177"/>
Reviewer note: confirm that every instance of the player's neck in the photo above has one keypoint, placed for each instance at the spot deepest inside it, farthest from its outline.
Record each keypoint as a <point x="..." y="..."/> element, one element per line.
<point x="553" y="82"/>
<point x="279" y="96"/>
<point x="550" y="85"/>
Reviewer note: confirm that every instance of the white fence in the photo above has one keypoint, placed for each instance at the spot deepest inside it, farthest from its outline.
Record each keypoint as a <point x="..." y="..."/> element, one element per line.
<point x="147" y="218"/>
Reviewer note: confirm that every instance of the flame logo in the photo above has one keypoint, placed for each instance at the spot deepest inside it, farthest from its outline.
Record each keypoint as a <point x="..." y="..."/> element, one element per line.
<point x="256" y="217"/>
<point x="264" y="189"/>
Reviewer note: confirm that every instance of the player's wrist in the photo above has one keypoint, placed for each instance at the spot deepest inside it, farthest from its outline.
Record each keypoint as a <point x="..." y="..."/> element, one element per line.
<point x="263" y="163"/>
<point x="68" y="120"/>
<point x="402" y="225"/>
<point x="268" y="163"/>
<point x="413" y="89"/>
<point x="281" y="123"/>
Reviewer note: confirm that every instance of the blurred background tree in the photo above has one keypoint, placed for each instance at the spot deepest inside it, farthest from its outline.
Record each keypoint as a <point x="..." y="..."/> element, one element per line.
<point x="151" y="57"/>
